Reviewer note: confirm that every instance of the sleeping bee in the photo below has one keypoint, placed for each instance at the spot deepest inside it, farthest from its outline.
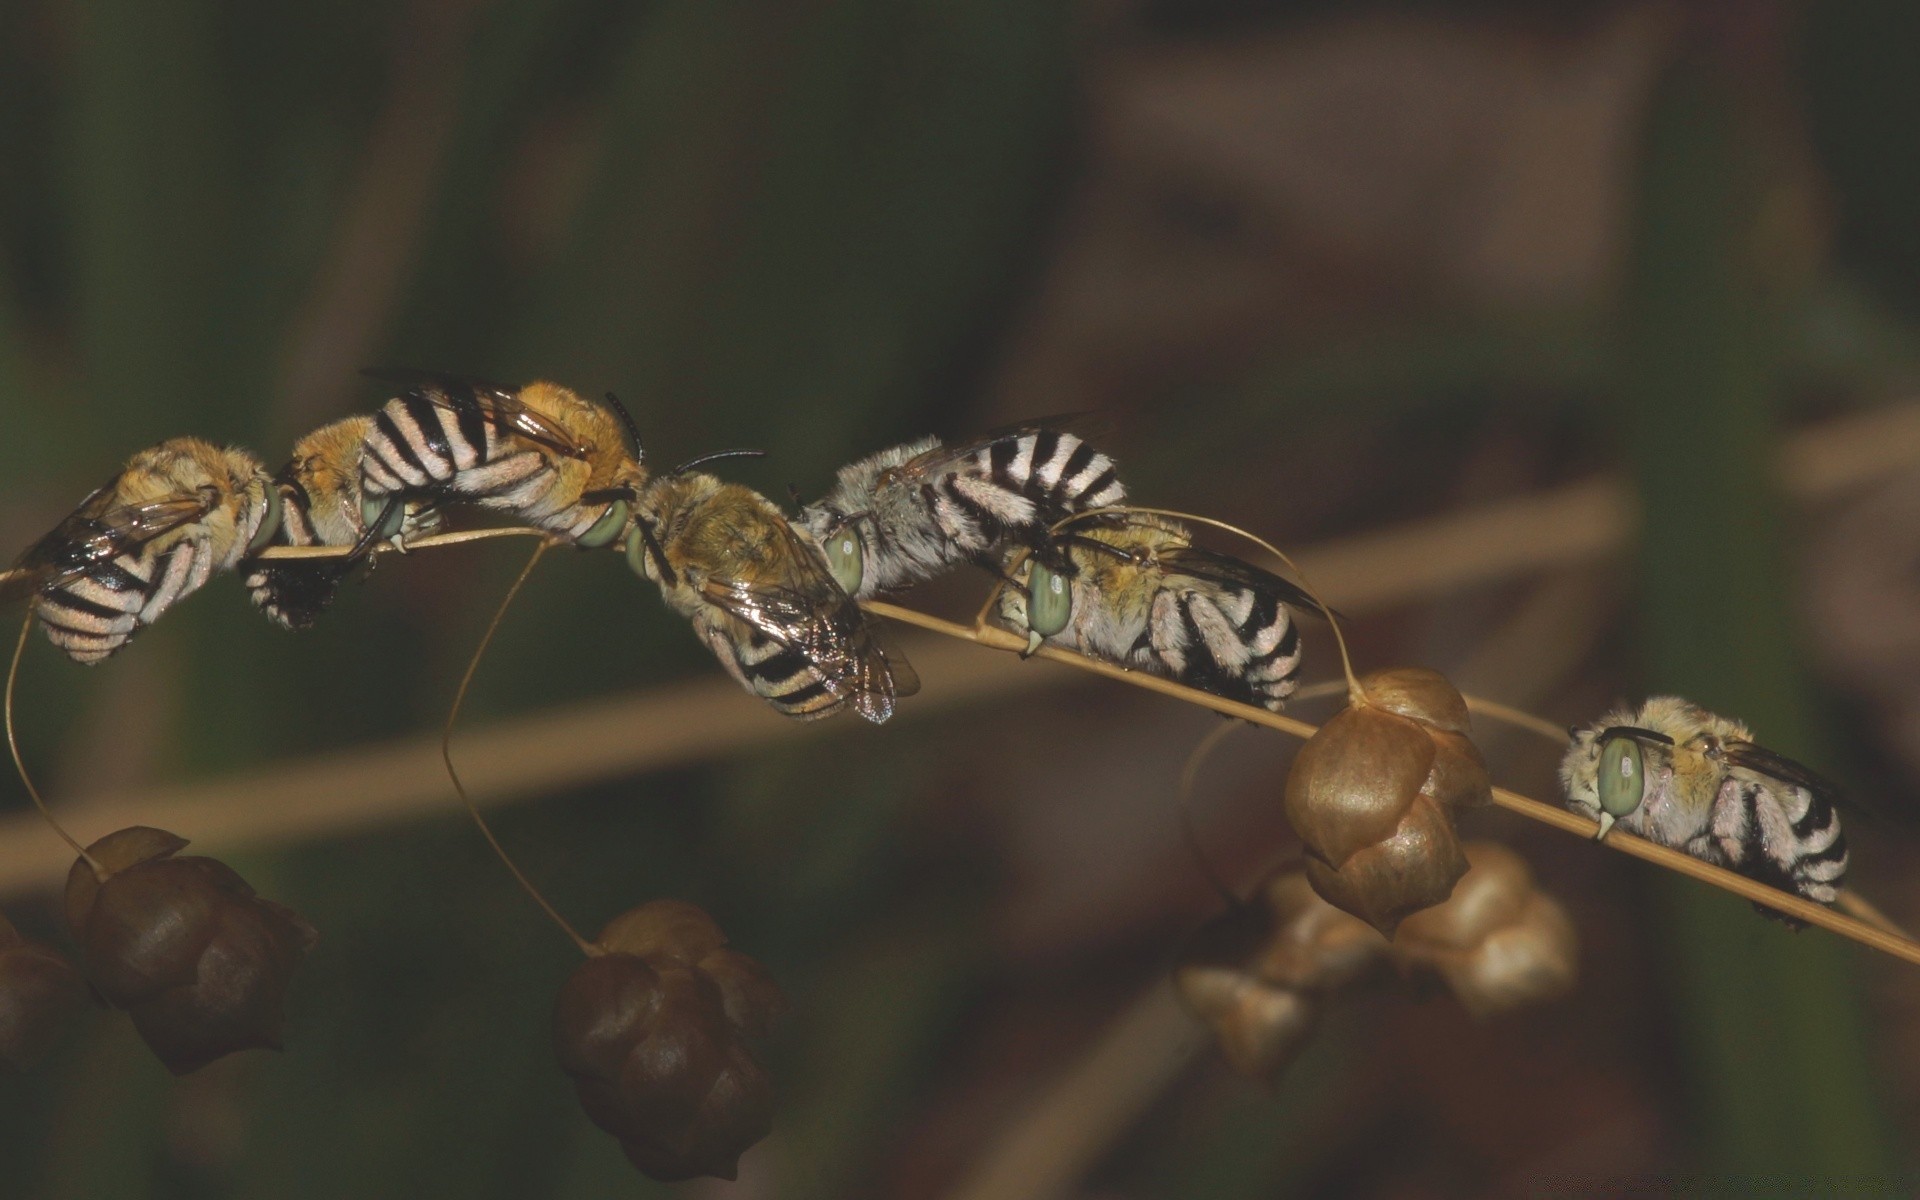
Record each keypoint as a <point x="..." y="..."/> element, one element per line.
<point x="143" y="541"/>
<point x="321" y="505"/>
<point x="1136" y="591"/>
<point x="919" y="509"/>
<point x="540" y="452"/>
<point x="760" y="598"/>
<point x="1676" y="774"/>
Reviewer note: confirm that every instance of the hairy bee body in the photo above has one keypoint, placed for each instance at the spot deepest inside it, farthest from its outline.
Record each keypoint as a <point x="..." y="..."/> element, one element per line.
<point x="1676" y="774"/>
<point x="922" y="508"/>
<point x="758" y="596"/>
<point x="540" y="453"/>
<point x="321" y="504"/>
<point x="145" y="540"/>
<point x="1140" y="594"/>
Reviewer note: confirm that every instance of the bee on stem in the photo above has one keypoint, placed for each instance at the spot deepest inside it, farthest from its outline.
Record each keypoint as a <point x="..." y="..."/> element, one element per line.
<point x="916" y="510"/>
<point x="143" y="541"/>
<point x="1132" y="589"/>
<point x="1676" y="774"/>
<point x="760" y="597"/>
<point x="322" y="504"/>
<point x="540" y="453"/>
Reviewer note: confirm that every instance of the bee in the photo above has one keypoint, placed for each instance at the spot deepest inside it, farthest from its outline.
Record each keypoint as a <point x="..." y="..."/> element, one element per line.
<point x="143" y="541"/>
<point x="1134" y="590"/>
<point x="919" y="509"/>
<point x="760" y="597"/>
<point x="540" y="452"/>
<point x="1676" y="774"/>
<point x="321" y="504"/>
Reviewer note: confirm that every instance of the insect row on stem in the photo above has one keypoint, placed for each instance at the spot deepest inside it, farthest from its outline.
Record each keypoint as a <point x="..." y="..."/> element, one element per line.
<point x="657" y="1025"/>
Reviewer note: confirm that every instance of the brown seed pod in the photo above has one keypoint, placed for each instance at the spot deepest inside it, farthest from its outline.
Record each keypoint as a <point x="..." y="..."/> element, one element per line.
<point x="1373" y="795"/>
<point x="39" y="994"/>
<point x="198" y="961"/>
<point x="654" y="1033"/>
<point x="1499" y="941"/>
<point x="1257" y="975"/>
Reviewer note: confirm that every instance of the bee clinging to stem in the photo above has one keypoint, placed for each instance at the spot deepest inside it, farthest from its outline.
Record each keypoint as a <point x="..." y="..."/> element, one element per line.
<point x="918" y="509"/>
<point x="759" y="596"/>
<point x="322" y="504"/>
<point x="1133" y="589"/>
<point x="143" y="541"/>
<point x="1676" y="774"/>
<point x="540" y="453"/>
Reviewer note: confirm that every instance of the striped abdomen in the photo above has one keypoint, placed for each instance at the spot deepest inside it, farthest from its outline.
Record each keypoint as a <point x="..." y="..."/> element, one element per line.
<point x="1021" y="484"/>
<point x="420" y="446"/>
<point x="781" y="675"/>
<point x="1240" y="643"/>
<point x="1780" y="834"/>
<point x="92" y="615"/>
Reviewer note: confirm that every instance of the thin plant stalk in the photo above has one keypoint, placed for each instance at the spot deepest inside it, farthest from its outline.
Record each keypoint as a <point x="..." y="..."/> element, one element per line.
<point x="19" y="763"/>
<point x="446" y="754"/>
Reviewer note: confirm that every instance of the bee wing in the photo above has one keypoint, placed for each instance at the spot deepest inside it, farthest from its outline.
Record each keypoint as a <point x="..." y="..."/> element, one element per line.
<point x="1225" y="569"/>
<point x="823" y="624"/>
<point x="97" y="532"/>
<point x="499" y="404"/>
<point x="1762" y="761"/>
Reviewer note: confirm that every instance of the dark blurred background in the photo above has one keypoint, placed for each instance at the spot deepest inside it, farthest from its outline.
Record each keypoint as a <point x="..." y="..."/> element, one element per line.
<point x="1327" y="268"/>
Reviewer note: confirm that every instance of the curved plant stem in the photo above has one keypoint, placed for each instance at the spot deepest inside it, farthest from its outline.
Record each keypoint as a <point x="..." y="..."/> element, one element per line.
<point x="446" y="754"/>
<point x="1814" y="914"/>
<point x="19" y="764"/>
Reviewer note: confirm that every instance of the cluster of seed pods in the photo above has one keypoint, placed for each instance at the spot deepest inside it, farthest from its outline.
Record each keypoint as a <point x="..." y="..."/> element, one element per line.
<point x="1261" y="977"/>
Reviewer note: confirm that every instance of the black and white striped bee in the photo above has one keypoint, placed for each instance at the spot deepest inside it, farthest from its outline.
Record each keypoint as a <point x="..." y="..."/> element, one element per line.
<point x="919" y="509"/>
<point x="540" y="453"/>
<point x="760" y="597"/>
<point x="143" y="541"/>
<point x="1134" y="590"/>
<point x="1676" y="774"/>
<point x="321" y="504"/>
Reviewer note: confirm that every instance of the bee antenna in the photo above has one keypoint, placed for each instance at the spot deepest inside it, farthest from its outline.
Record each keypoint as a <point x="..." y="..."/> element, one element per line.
<point x="704" y="459"/>
<point x="793" y="491"/>
<point x="633" y="431"/>
<point x="446" y="753"/>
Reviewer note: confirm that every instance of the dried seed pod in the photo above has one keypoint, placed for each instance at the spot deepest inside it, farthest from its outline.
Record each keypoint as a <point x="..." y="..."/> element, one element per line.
<point x="1499" y="941"/>
<point x="1257" y="975"/>
<point x="1373" y="795"/>
<point x="654" y="1031"/>
<point x="39" y="994"/>
<point x="198" y="961"/>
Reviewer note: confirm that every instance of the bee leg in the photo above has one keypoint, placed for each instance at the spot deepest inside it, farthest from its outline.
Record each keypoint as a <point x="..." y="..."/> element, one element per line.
<point x="1033" y="644"/>
<point x="1606" y="825"/>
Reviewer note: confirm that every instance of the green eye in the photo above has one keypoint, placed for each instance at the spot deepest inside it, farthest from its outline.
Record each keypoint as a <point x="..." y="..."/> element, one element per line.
<point x="1622" y="777"/>
<point x="608" y="527"/>
<point x="1049" y="601"/>
<point x="846" y="558"/>
<point x="269" y="524"/>
<point x="374" y="511"/>
<point x="637" y="556"/>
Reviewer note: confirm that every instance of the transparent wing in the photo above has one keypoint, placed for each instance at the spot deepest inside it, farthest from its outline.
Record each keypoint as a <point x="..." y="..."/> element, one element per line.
<point x="820" y="622"/>
<point x="98" y="532"/>
<point x="1762" y="761"/>
<point x="500" y="405"/>
<point x="1229" y="571"/>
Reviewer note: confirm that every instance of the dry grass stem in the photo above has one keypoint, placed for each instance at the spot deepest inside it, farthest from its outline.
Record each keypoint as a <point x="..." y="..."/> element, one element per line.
<point x="347" y="791"/>
<point x="1814" y="914"/>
